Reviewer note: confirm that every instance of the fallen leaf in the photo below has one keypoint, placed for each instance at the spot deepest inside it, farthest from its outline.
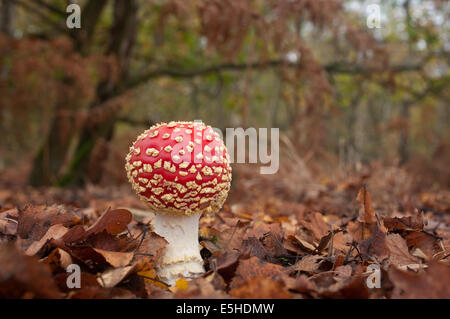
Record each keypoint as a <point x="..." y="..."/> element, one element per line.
<point x="309" y="263"/>
<point x="54" y="232"/>
<point x="116" y="259"/>
<point x="254" y="247"/>
<point x="396" y="224"/>
<point x="301" y="284"/>
<point x="149" y="251"/>
<point x="58" y="260"/>
<point x="426" y="242"/>
<point x="226" y="264"/>
<point x="230" y="237"/>
<point x="151" y="277"/>
<point x="21" y="274"/>
<point x="375" y="247"/>
<point x="75" y="234"/>
<point x="112" y="221"/>
<point x="34" y="221"/>
<point x="260" y="229"/>
<point x="399" y="254"/>
<point x="87" y="280"/>
<point x="273" y="245"/>
<point x="353" y="287"/>
<point x="252" y="267"/>
<point x="181" y="284"/>
<point x="366" y="224"/>
<point x="419" y="253"/>
<point x="434" y="282"/>
<point x="260" y="287"/>
<point x="315" y="226"/>
<point x="113" y="276"/>
<point x="366" y="212"/>
<point x="298" y="245"/>
<point x="201" y="287"/>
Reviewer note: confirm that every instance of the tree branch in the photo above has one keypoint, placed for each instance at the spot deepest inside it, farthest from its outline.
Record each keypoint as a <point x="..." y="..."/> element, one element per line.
<point x="342" y="68"/>
<point x="92" y="11"/>
<point x="50" y="7"/>
<point x="7" y="17"/>
<point x="32" y="9"/>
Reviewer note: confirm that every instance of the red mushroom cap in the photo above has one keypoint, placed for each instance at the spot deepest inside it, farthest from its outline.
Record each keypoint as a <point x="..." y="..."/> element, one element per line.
<point x="180" y="168"/>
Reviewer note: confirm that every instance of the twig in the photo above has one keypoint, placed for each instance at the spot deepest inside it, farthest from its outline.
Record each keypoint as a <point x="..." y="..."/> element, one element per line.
<point x="354" y="243"/>
<point x="144" y="254"/>
<point x="9" y="219"/>
<point x="144" y="232"/>
<point x="348" y="254"/>
<point x="157" y="280"/>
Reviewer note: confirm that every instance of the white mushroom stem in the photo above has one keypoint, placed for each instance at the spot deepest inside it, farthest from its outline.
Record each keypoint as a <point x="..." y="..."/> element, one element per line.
<point x="181" y="257"/>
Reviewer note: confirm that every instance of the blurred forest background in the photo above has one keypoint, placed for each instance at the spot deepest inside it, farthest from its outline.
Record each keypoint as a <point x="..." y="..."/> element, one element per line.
<point x="363" y="113"/>
<point x="344" y="96"/>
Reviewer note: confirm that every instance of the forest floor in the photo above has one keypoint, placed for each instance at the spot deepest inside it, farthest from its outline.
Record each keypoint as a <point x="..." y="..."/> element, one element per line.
<point x="288" y="235"/>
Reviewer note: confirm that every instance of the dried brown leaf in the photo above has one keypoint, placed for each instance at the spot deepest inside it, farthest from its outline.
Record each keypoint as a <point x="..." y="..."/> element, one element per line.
<point x="113" y="276"/>
<point x="21" y="274"/>
<point x="309" y="263"/>
<point x="399" y="254"/>
<point x="34" y="221"/>
<point x="366" y="212"/>
<point x="112" y="221"/>
<point x="409" y="223"/>
<point x="434" y="282"/>
<point x="260" y="287"/>
<point x="252" y="267"/>
<point x="54" y="232"/>
<point x="58" y="260"/>
<point x="116" y="259"/>
<point x="225" y="265"/>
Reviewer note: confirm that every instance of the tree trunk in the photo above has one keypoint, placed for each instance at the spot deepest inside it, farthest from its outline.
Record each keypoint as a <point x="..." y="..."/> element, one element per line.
<point x="404" y="108"/>
<point x="91" y="16"/>
<point x="7" y="17"/>
<point x="123" y="37"/>
<point x="48" y="162"/>
<point x="403" y="152"/>
<point x="52" y="155"/>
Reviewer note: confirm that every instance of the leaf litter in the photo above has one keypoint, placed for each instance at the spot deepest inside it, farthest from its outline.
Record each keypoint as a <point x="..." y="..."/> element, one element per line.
<point x="266" y="247"/>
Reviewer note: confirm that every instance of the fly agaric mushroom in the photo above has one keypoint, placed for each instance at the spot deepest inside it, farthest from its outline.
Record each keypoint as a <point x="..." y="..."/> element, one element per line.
<point x="180" y="170"/>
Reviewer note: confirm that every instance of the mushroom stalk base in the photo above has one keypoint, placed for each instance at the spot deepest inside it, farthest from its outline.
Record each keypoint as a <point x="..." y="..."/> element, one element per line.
<point x="181" y="257"/>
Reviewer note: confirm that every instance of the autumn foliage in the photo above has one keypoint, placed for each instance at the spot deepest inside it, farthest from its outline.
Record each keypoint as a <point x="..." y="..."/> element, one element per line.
<point x="363" y="180"/>
<point x="265" y="248"/>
